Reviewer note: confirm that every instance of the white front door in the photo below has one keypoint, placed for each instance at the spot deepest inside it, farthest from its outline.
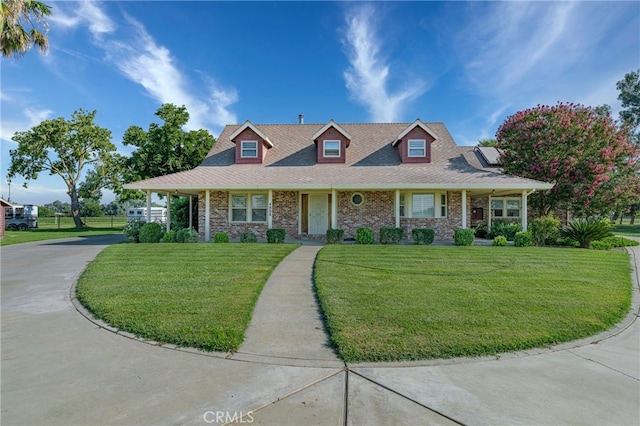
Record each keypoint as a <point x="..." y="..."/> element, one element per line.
<point x="318" y="213"/>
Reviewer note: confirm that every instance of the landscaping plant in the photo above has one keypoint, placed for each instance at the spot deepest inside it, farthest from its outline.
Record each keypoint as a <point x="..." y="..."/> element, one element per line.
<point x="523" y="239"/>
<point x="585" y="231"/>
<point x="391" y="235"/>
<point x="464" y="237"/>
<point x="500" y="241"/>
<point x="364" y="235"/>
<point x="169" y="236"/>
<point x="132" y="230"/>
<point x="423" y="236"/>
<point x="335" y="236"/>
<point x="150" y="233"/>
<point x="221" y="237"/>
<point x="276" y="236"/>
<point x="505" y="228"/>
<point x="248" y="237"/>
<point x="545" y="230"/>
<point x="187" y="235"/>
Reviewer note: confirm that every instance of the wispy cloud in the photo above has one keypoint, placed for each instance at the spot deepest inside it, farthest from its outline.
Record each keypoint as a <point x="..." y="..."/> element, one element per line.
<point x="368" y="77"/>
<point x="30" y="117"/>
<point x="87" y="14"/>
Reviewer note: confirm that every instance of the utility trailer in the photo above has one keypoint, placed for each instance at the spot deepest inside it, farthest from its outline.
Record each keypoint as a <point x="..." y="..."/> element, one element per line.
<point x="21" y="217"/>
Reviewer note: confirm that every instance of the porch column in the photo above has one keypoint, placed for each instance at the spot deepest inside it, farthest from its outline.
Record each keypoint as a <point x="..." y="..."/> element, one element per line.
<point x="207" y="216"/>
<point x="190" y="211"/>
<point x="489" y="214"/>
<point x="270" y="209"/>
<point x="148" y="205"/>
<point x="397" y="208"/>
<point x="334" y="208"/>
<point x="168" y="227"/>
<point x="464" y="209"/>
<point x="523" y="211"/>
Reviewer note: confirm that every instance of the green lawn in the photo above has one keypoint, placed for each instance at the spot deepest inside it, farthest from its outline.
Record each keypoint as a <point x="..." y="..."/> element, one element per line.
<point x="386" y="303"/>
<point x="626" y="229"/>
<point x="40" y="234"/>
<point x="197" y="295"/>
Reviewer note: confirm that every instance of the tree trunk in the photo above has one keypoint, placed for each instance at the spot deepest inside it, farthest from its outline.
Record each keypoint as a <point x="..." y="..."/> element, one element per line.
<point x="75" y="208"/>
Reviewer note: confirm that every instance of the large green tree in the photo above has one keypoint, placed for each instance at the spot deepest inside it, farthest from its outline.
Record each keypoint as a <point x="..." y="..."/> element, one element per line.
<point x="23" y="26"/>
<point x="589" y="158"/>
<point x="70" y="149"/>
<point x="629" y="88"/>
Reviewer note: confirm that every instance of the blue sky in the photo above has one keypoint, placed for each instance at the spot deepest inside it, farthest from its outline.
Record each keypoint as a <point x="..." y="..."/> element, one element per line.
<point x="467" y="64"/>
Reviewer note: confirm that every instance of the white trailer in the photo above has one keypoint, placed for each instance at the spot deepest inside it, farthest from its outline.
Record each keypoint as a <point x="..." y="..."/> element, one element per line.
<point x="21" y="217"/>
<point x="158" y="214"/>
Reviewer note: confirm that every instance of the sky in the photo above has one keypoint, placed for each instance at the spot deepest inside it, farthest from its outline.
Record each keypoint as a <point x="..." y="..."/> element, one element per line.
<point x="467" y="64"/>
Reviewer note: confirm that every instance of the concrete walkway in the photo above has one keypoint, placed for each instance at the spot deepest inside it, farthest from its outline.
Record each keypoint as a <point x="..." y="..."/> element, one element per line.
<point x="60" y="368"/>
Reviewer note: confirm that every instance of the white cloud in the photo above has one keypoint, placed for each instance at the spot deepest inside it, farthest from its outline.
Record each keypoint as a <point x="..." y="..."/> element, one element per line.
<point x="368" y="76"/>
<point x="31" y="117"/>
<point x="84" y="13"/>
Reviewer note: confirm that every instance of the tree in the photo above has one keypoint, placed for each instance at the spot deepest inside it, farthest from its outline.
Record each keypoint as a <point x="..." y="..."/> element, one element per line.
<point x="629" y="88"/>
<point x="591" y="161"/>
<point x="17" y="17"/>
<point x="165" y="148"/>
<point x="487" y="142"/>
<point x="67" y="148"/>
<point x="90" y="207"/>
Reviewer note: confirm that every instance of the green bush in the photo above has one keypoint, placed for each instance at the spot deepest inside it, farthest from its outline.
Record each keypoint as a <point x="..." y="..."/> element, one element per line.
<point x="391" y="235"/>
<point x="500" y="241"/>
<point x="187" y="235"/>
<point x="275" y="236"/>
<point x="585" y="231"/>
<point x="150" y="233"/>
<point x="523" y="239"/>
<point x="601" y="245"/>
<point x="169" y="236"/>
<point x="505" y="228"/>
<point x="618" y="241"/>
<point x="248" y="237"/>
<point x="423" y="235"/>
<point x="481" y="231"/>
<point x="132" y="230"/>
<point x="464" y="237"/>
<point x="364" y="236"/>
<point x="544" y="230"/>
<point x="335" y="236"/>
<point x="221" y="237"/>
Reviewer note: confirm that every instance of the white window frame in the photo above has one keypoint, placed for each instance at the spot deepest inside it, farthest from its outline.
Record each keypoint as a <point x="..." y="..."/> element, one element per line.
<point x="245" y="149"/>
<point x="325" y="149"/>
<point x="505" y="211"/>
<point x="249" y="208"/>
<point x="418" y="145"/>
<point x="439" y="207"/>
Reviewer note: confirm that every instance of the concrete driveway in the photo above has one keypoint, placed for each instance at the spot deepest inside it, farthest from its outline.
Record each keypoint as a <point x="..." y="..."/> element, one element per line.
<point x="58" y="367"/>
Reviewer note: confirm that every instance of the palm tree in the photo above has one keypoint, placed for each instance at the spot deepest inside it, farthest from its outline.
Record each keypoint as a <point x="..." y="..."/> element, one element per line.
<point x="17" y="17"/>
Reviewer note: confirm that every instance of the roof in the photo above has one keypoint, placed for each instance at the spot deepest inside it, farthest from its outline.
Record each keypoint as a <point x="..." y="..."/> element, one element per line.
<point x="5" y="203"/>
<point x="490" y="154"/>
<point x="371" y="163"/>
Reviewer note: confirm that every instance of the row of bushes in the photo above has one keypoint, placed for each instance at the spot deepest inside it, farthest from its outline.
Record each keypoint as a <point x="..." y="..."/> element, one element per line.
<point x="152" y="232"/>
<point x="388" y="235"/>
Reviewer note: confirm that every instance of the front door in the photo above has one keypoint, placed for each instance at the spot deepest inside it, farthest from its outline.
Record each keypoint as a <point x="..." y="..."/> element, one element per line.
<point x="318" y="213"/>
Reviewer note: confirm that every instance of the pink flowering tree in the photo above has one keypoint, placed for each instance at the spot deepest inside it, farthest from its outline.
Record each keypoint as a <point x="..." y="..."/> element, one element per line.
<point x="593" y="163"/>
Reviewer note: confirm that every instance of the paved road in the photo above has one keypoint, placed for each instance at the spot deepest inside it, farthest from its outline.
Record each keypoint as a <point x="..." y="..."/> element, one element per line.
<point x="60" y="368"/>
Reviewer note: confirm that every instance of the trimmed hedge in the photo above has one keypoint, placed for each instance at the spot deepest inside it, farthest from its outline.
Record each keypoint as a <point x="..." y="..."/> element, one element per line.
<point x="187" y="235"/>
<point x="248" y="237"/>
<point x="464" y="237"/>
<point x="523" y="239"/>
<point x="150" y="232"/>
<point x="391" y="235"/>
<point x="335" y="236"/>
<point x="276" y="235"/>
<point x="221" y="237"/>
<point x="423" y="235"/>
<point x="364" y="236"/>
<point x="169" y="236"/>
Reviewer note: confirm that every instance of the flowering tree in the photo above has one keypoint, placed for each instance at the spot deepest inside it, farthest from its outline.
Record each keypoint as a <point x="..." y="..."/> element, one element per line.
<point x="592" y="162"/>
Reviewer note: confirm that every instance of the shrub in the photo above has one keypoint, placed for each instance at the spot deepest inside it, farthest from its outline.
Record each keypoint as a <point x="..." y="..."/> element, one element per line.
<point x="132" y="230"/>
<point x="364" y="236"/>
<point x="423" y="235"/>
<point x="523" y="239"/>
<point x="275" y="236"/>
<point x="391" y="235"/>
<point x="187" y="235"/>
<point x="585" y="231"/>
<point x="618" y="241"/>
<point x="544" y="230"/>
<point x="221" y="237"/>
<point x="248" y="237"/>
<point x="464" y="237"/>
<point x="335" y="236"/>
<point x="505" y="228"/>
<point x="150" y="233"/>
<point x="601" y="245"/>
<point x="482" y="231"/>
<point x="169" y="236"/>
<point x="500" y="241"/>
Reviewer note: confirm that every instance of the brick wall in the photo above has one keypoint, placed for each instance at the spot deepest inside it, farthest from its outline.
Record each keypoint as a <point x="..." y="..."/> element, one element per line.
<point x="285" y="212"/>
<point x="445" y="227"/>
<point x="376" y="211"/>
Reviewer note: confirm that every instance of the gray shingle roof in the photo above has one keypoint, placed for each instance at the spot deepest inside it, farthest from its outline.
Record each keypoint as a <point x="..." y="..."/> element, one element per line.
<point x="371" y="163"/>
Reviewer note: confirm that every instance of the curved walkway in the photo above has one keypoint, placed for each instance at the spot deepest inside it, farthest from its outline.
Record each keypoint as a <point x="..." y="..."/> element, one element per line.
<point x="59" y="368"/>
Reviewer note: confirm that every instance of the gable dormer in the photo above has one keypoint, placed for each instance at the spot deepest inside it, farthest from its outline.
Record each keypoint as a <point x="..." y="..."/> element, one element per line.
<point x="251" y="144"/>
<point x="331" y="143"/>
<point x="414" y="143"/>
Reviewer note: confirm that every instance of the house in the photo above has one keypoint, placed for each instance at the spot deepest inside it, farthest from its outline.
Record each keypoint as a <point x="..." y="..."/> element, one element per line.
<point x="3" y="203"/>
<point x="306" y="178"/>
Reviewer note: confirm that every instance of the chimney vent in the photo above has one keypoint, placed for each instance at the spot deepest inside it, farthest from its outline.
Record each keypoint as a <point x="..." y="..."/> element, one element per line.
<point x="301" y="119"/>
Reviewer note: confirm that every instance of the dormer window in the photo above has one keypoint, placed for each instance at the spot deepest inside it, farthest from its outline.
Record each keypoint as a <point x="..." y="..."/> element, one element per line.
<point x="417" y="148"/>
<point x="249" y="149"/>
<point x="331" y="148"/>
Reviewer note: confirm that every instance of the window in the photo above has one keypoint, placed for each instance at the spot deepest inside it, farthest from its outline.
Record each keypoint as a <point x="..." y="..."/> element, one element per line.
<point x="249" y="149"/>
<point x="331" y="149"/>
<point x="505" y="207"/>
<point x="249" y="208"/>
<point x="417" y="148"/>
<point x="357" y="199"/>
<point x="418" y="205"/>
